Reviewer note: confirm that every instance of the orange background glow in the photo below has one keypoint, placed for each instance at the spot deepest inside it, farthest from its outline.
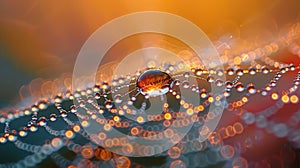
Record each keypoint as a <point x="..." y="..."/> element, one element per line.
<point x="42" y="36"/>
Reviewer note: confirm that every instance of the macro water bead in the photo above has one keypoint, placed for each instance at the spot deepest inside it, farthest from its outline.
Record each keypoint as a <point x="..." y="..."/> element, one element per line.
<point x="154" y="82"/>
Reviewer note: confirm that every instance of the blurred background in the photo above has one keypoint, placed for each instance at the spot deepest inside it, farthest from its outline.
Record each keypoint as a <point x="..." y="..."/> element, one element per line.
<point x="41" y="39"/>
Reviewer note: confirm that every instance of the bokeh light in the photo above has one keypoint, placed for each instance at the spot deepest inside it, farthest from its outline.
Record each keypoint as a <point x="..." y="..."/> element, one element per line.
<point x="46" y="122"/>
